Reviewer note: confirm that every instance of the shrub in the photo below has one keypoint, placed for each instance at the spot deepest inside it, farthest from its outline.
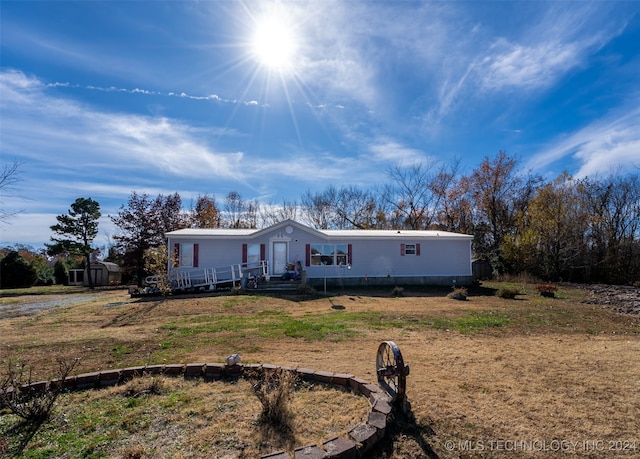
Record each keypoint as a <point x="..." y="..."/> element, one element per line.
<point x="32" y="407"/>
<point x="397" y="291"/>
<point x="546" y="288"/>
<point x="274" y="389"/>
<point x="508" y="293"/>
<point x="458" y="293"/>
<point x="305" y="289"/>
<point x="144" y="385"/>
<point x="15" y="272"/>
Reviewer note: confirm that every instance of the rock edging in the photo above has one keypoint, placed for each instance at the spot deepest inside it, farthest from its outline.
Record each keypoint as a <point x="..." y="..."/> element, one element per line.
<point x="361" y="438"/>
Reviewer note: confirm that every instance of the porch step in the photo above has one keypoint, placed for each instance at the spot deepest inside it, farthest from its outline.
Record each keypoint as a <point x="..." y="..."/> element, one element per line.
<point x="278" y="285"/>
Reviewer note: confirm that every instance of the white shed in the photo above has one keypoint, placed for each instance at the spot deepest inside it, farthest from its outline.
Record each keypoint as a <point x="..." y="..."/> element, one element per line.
<point x="102" y="273"/>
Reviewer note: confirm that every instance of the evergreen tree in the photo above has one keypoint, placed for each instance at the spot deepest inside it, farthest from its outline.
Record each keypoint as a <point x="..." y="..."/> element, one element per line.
<point x="77" y="230"/>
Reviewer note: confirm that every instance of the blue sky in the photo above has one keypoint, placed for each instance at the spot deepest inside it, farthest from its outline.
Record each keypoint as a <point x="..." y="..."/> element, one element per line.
<point x="271" y="99"/>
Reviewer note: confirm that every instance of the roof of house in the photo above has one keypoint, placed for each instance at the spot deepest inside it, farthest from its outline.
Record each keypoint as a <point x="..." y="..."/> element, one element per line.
<point x="288" y="225"/>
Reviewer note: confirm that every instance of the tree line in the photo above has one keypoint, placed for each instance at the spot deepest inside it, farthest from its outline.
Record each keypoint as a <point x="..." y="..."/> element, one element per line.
<point x="565" y="229"/>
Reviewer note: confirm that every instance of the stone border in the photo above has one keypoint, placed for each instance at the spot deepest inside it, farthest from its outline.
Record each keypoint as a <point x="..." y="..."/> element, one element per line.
<point x="361" y="438"/>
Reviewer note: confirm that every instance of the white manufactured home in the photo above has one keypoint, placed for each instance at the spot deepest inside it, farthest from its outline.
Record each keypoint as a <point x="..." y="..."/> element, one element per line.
<point x="207" y="257"/>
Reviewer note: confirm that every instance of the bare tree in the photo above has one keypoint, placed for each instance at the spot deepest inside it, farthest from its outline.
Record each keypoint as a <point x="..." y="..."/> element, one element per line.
<point x="415" y="193"/>
<point x="614" y="226"/>
<point x="318" y="208"/>
<point x="239" y="213"/>
<point x="9" y="179"/>
<point x="275" y="213"/>
<point x="499" y="193"/>
<point x="234" y="207"/>
<point x="356" y="208"/>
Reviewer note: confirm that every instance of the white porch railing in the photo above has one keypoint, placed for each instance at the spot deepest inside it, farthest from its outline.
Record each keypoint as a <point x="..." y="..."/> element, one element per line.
<point x="210" y="278"/>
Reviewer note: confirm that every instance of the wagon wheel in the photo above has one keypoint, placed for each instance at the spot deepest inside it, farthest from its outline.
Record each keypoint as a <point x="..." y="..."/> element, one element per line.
<point x="391" y="370"/>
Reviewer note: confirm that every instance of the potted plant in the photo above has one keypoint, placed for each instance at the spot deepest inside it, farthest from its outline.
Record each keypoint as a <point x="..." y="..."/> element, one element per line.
<point x="548" y="290"/>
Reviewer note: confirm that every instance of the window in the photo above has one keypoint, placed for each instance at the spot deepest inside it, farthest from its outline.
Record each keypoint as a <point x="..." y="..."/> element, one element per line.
<point x="341" y="254"/>
<point x="329" y="254"/>
<point x="186" y="255"/>
<point x="253" y="254"/>
<point x="321" y="254"/>
<point x="410" y="249"/>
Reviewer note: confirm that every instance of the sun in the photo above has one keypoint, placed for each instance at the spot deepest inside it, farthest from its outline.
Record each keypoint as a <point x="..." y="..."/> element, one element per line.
<point x="274" y="43"/>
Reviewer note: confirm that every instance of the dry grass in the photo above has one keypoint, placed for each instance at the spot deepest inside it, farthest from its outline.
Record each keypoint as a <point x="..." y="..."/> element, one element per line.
<point x="176" y="418"/>
<point x="484" y="372"/>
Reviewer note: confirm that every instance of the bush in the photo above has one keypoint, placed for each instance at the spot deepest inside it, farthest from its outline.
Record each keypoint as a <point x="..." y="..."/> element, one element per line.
<point x="397" y="291"/>
<point x="458" y="293"/>
<point x="60" y="272"/>
<point x="508" y="293"/>
<point x="32" y="407"/>
<point x="274" y="389"/>
<point x="144" y="385"/>
<point x="15" y="272"/>
<point x="305" y="289"/>
<point x="546" y="288"/>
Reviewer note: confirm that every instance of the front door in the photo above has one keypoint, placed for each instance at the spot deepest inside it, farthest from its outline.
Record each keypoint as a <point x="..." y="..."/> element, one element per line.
<point x="280" y="257"/>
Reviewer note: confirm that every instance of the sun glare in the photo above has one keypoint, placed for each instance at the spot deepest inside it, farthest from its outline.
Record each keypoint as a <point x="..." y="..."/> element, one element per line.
<point x="274" y="43"/>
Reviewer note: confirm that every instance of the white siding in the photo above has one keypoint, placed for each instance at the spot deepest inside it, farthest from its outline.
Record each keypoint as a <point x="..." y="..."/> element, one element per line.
<point x="374" y="255"/>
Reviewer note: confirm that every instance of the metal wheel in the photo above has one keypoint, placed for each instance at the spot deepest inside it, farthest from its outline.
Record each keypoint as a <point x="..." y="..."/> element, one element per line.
<point x="391" y="370"/>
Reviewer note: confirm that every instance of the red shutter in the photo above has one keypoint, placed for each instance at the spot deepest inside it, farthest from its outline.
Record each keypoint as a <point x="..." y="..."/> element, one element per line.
<point x="308" y="255"/>
<point x="349" y="254"/>
<point x="195" y="255"/>
<point x="244" y="254"/>
<point x="263" y="252"/>
<point x="402" y="250"/>
<point x="176" y="255"/>
<point x="418" y="250"/>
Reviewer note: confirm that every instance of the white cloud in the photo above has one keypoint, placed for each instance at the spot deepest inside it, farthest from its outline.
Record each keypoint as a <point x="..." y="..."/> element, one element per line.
<point x="166" y="144"/>
<point x="118" y="153"/>
<point x="620" y="153"/>
<point x="78" y="134"/>
<point x="563" y="39"/>
<point x="389" y="151"/>
<point x="528" y="66"/>
<point x="601" y="147"/>
<point x="35" y="229"/>
<point x="514" y="59"/>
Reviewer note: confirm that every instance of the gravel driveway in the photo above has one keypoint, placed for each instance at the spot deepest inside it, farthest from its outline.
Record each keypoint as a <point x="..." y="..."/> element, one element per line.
<point x="35" y="304"/>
